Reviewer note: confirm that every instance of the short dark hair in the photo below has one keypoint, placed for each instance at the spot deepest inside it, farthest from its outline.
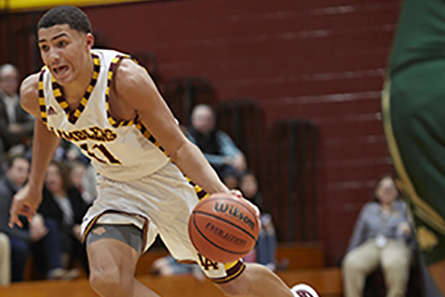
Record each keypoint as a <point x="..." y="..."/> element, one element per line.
<point x="70" y="15"/>
<point x="11" y="161"/>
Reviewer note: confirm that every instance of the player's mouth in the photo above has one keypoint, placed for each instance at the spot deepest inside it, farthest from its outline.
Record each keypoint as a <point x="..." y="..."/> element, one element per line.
<point x="61" y="70"/>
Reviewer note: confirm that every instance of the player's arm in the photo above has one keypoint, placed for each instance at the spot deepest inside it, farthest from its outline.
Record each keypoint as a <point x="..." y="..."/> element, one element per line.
<point x="134" y="86"/>
<point x="27" y="200"/>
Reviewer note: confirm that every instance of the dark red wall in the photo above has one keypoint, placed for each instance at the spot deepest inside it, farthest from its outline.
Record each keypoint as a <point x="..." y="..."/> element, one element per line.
<point x="316" y="59"/>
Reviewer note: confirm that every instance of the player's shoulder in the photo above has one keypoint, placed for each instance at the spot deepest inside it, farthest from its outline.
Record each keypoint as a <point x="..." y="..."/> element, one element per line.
<point x="30" y="85"/>
<point x="128" y="72"/>
<point x="130" y="79"/>
<point x="29" y="93"/>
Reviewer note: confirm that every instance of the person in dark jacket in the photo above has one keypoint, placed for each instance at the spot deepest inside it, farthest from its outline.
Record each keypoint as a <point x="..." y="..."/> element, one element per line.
<point x="64" y="204"/>
<point x="16" y="125"/>
<point x="38" y="236"/>
<point x="215" y="144"/>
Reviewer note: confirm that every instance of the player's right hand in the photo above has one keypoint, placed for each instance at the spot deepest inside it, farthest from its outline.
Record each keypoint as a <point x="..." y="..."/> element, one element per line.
<point x="25" y="203"/>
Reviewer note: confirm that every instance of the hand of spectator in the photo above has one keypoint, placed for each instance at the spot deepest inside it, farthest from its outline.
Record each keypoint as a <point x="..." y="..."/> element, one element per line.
<point x="15" y="128"/>
<point x="25" y="203"/>
<point x="239" y="162"/>
<point x="404" y="228"/>
<point x="77" y="232"/>
<point x="38" y="229"/>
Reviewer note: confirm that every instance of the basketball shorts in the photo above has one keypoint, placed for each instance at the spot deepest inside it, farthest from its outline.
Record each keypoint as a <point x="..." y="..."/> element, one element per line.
<point x="413" y="106"/>
<point x="159" y="204"/>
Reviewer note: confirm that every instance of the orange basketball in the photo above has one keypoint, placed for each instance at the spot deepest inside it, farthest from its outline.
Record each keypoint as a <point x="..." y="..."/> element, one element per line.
<point x="223" y="228"/>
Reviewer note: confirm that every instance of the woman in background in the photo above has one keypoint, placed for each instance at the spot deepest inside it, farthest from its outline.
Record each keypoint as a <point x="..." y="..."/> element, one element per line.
<point x="381" y="238"/>
<point x="63" y="203"/>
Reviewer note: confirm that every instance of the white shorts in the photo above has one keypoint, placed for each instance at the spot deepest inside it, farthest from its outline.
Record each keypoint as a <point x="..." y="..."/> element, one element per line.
<point x="160" y="203"/>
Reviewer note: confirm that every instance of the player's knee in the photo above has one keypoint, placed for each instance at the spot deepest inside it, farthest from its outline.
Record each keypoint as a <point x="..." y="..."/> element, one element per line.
<point x="107" y="281"/>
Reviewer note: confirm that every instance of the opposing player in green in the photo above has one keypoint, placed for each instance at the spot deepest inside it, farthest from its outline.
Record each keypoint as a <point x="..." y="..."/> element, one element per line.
<point x="414" y="120"/>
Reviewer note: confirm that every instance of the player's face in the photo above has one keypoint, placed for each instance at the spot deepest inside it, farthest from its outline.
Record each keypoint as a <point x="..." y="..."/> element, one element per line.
<point x="65" y="51"/>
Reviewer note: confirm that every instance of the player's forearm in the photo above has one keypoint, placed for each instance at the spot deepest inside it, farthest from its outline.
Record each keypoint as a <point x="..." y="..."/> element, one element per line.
<point x="44" y="146"/>
<point x="195" y="166"/>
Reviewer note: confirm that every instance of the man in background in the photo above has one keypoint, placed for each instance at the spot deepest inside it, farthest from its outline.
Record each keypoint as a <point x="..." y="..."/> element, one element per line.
<point x="216" y="145"/>
<point x="16" y="126"/>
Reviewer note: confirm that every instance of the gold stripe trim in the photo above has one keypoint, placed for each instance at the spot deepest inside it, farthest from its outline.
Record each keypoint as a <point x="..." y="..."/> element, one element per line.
<point x="227" y="266"/>
<point x="422" y="210"/>
<point x="232" y="276"/>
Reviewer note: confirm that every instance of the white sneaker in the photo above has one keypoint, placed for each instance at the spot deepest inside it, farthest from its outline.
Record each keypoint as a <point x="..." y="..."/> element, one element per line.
<point x="302" y="290"/>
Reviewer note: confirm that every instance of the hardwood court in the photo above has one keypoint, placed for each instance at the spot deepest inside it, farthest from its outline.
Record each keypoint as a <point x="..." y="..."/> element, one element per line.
<point x="305" y="265"/>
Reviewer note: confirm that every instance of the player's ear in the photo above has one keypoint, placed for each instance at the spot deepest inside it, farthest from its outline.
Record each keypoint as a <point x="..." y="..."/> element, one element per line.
<point x="89" y="38"/>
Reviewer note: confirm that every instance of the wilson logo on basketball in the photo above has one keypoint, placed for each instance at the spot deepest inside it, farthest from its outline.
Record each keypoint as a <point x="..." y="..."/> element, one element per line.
<point x="234" y="211"/>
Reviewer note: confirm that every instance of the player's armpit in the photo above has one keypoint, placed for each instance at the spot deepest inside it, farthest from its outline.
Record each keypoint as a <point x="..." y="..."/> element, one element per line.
<point x="29" y="95"/>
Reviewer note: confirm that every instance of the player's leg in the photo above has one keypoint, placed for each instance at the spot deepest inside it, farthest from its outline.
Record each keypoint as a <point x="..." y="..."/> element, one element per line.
<point x="113" y="251"/>
<point x="396" y="259"/>
<point x="256" y="281"/>
<point x="357" y="265"/>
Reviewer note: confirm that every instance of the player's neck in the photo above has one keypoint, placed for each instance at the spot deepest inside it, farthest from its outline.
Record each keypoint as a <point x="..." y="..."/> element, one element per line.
<point x="74" y="91"/>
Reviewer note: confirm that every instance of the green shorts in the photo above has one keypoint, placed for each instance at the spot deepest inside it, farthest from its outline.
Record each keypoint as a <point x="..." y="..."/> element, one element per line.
<point x="414" y="120"/>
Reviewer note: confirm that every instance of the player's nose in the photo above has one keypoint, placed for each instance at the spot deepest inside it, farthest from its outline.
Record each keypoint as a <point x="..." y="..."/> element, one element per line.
<point x="53" y="56"/>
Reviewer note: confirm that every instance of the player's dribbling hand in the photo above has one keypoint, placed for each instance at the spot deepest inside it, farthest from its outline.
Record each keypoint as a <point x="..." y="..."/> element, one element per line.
<point x="25" y="203"/>
<point x="238" y="194"/>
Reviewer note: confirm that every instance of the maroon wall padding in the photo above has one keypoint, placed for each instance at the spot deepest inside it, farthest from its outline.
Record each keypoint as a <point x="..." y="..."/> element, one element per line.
<point x="322" y="60"/>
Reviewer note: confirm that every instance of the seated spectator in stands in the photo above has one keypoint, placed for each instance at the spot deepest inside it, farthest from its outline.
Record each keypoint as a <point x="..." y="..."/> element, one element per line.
<point x="5" y="261"/>
<point x="16" y="126"/>
<point x="216" y="145"/>
<point x="38" y="236"/>
<point x="83" y="178"/>
<point x="64" y="204"/>
<point x="265" y="249"/>
<point x="381" y="238"/>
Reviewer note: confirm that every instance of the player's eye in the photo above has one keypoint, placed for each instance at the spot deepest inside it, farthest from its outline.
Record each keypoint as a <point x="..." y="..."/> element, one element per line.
<point x="44" y="47"/>
<point x="62" y="43"/>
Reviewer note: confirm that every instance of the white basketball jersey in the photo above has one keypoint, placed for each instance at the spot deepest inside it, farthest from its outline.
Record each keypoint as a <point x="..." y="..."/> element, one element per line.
<point x="120" y="151"/>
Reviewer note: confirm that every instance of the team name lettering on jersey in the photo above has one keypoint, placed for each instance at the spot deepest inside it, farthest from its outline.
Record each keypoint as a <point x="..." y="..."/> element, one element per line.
<point x="93" y="133"/>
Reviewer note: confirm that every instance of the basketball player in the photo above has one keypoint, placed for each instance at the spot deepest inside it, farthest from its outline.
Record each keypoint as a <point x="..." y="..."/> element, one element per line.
<point x="414" y="119"/>
<point x="108" y="105"/>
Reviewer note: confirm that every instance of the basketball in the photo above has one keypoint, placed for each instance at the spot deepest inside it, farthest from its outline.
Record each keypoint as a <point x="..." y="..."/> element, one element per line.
<point x="223" y="227"/>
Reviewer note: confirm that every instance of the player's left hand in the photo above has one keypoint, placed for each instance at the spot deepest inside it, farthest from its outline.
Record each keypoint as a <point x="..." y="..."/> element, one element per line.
<point x="238" y="194"/>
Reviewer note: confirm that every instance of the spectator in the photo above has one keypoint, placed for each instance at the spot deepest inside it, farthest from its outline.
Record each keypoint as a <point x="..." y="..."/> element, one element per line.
<point x="16" y="126"/>
<point x="64" y="204"/>
<point x="5" y="261"/>
<point x="381" y="237"/>
<point x="265" y="248"/>
<point x="39" y="235"/>
<point x="83" y="178"/>
<point x="216" y="145"/>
